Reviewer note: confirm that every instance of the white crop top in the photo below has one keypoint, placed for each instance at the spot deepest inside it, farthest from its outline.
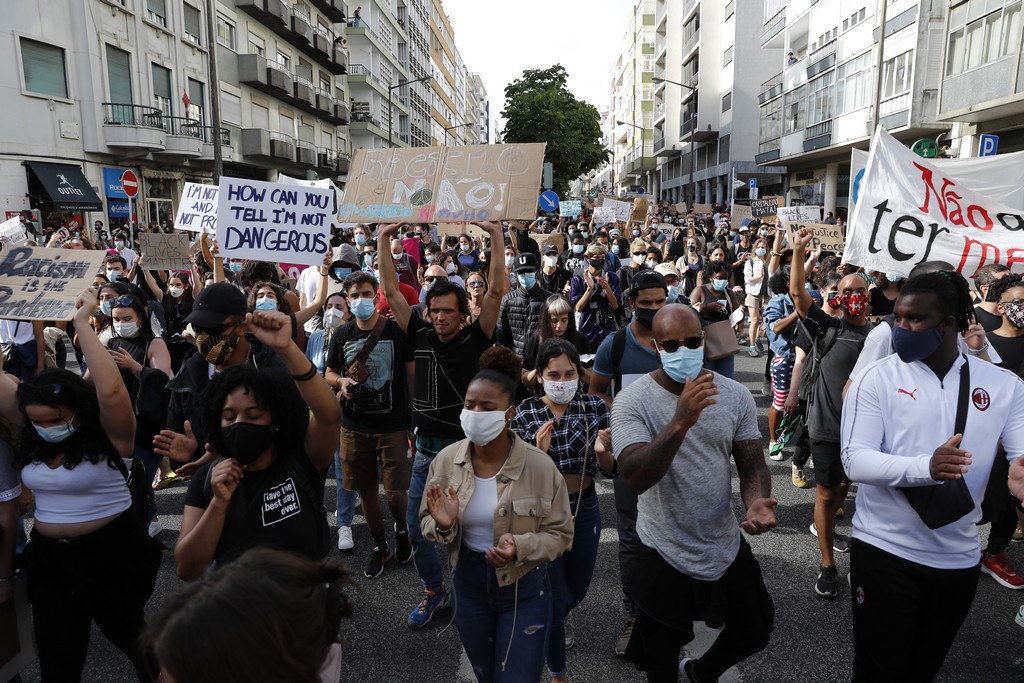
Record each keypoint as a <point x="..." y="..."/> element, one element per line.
<point x="478" y="517"/>
<point x="83" y="494"/>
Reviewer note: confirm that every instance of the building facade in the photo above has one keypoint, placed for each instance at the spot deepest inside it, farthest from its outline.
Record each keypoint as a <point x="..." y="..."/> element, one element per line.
<point x="632" y="104"/>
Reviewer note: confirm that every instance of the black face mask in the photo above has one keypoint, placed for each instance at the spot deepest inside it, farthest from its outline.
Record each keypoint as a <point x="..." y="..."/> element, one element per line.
<point x="245" y="441"/>
<point x="645" y="316"/>
<point x="597" y="264"/>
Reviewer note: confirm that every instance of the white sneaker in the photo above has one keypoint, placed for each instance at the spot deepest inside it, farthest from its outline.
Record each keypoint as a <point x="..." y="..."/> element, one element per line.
<point x="345" y="538"/>
<point x="155" y="528"/>
<point x="776" y="456"/>
<point x="1020" y="617"/>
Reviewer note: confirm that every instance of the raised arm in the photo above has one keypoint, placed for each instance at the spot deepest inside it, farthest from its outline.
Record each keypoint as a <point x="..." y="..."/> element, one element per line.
<point x="497" y="283"/>
<point x="797" y="277"/>
<point x="776" y="259"/>
<point x="389" y="276"/>
<point x="312" y="307"/>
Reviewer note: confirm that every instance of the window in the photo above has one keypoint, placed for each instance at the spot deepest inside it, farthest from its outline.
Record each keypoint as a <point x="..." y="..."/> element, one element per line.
<point x="196" y="99"/>
<point x="854" y="84"/>
<point x="43" y="67"/>
<point x="727" y="102"/>
<point x="226" y="33"/>
<point x="795" y="109"/>
<point x="977" y="38"/>
<point x="156" y="11"/>
<point x="193" y="23"/>
<point x="260" y="117"/>
<point x="231" y="108"/>
<point x="287" y="125"/>
<point x="727" y="58"/>
<point x="119" y="76"/>
<point x="257" y="46"/>
<point x="162" y="89"/>
<point x="284" y="60"/>
<point x="819" y="98"/>
<point x="771" y="120"/>
<point x="896" y="74"/>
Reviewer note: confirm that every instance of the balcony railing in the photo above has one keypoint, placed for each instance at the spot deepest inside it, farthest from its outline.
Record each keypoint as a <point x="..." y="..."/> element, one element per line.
<point x="182" y="126"/>
<point x="773" y="26"/>
<point x="132" y="115"/>
<point x="823" y="128"/>
<point x="360" y="70"/>
<point x="207" y="135"/>
<point x="894" y="104"/>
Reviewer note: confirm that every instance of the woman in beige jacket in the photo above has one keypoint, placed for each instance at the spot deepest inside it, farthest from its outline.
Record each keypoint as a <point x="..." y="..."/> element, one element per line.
<point x="503" y="508"/>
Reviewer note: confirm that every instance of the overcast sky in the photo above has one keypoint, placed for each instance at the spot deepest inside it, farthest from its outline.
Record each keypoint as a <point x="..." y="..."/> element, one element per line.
<point x="501" y="40"/>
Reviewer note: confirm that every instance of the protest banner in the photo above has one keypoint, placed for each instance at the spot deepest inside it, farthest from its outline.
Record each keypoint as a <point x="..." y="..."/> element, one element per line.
<point x="621" y="209"/>
<point x="165" y="251"/>
<point x="443" y="184"/>
<point x="765" y="207"/>
<point x="738" y="213"/>
<point x="911" y="211"/>
<point x="798" y="214"/>
<point x="273" y="222"/>
<point x="705" y="209"/>
<point x="43" y="284"/>
<point x="197" y="208"/>
<point x="639" y="212"/>
<point x="12" y="231"/>
<point x="680" y="207"/>
<point x="570" y="208"/>
<point x="603" y="215"/>
<point x="826" y="237"/>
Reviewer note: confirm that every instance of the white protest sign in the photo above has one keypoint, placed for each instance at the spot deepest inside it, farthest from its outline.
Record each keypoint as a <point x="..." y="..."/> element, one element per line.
<point x="910" y="211"/>
<point x="620" y="209"/>
<point x="12" y="232"/>
<point x="197" y="208"/>
<point x="799" y="214"/>
<point x="603" y="215"/>
<point x="570" y="208"/>
<point x="44" y="284"/>
<point x="273" y="222"/>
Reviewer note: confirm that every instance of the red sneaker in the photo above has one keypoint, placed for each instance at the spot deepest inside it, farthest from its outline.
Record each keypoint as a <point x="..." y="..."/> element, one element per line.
<point x="1002" y="570"/>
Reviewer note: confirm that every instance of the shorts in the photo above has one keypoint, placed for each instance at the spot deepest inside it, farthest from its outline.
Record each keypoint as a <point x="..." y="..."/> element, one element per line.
<point x="754" y="302"/>
<point x="782" y="374"/>
<point x="828" y="466"/>
<point x="361" y="452"/>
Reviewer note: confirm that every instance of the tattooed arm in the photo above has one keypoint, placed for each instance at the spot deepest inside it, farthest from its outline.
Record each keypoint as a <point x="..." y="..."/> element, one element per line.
<point x="755" y="486"/>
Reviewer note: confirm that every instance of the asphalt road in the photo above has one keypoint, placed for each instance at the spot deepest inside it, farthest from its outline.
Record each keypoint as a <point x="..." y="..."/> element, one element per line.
<point x="812" y="639"/>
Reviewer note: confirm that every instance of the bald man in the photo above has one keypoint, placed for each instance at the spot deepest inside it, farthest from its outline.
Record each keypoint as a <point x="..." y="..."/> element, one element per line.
<point x="676" y="430"/>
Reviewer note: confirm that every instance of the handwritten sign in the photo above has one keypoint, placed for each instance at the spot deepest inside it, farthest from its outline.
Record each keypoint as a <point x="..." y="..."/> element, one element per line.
<point x="702" y="208"/>
<point x="570" y="208"/>
<point x="12" y="232"/>
<point x="273" y="222"/>
<point x="197" y="208"/>
<point x="557" y="239"/>
<point x="798" y="214"/>
<point x="765" y="207"/>
<point x="603" y="215"/>
<point x="680" y="207"/>
<point x="443" y="184"/>
<point x="456" y="229"/>
<point x="738" y="213"/>
<point x="165" y="252"/>
<point x="639" y="212"/>
<point x="621" y="209"/>
<point x="43" y="284"/>
<point x="826" y="237"/>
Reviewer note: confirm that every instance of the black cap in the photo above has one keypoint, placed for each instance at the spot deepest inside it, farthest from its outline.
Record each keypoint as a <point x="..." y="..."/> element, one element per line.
<point x="216" y="303"/>
<point x="525" y="261"/>
<point x="647" y="279"/>
<point x="551" y="248"/>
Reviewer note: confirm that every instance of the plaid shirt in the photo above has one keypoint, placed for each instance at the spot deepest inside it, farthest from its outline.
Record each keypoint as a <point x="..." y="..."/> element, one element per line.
<point x="572" y="439"/>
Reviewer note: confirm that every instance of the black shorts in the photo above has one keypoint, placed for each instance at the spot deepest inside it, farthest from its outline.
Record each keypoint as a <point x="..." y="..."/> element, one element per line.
<point x="828" y="466"/>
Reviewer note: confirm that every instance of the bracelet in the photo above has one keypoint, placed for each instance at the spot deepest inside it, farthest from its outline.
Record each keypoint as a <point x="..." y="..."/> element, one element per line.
<point x="445" y="532"/>
<point x="978" y="352"/>
<point x="309" y="374"/>
<point x="776" y="253"/>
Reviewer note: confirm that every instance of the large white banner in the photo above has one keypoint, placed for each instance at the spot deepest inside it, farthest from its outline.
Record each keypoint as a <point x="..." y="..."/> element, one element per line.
<point x="910" y="210"/>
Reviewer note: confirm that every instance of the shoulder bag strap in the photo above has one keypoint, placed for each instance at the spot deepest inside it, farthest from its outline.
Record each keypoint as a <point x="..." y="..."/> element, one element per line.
<point x="961" y="405"/>
<point x="371" y="342"/>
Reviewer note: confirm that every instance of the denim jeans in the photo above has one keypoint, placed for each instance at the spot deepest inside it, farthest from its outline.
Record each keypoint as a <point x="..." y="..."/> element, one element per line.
<point x="723" y="366"/>
<point x="346" y="499"/>
<point x="503" y="629"/>
<point x="571" y="573"/>
<point x="428" y="564"/>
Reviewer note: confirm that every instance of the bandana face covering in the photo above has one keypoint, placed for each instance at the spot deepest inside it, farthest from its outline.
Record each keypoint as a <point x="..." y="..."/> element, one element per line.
<point x="1014" y="313"/>
<point x="854" y="304"/>
<point x="215" y="348"/>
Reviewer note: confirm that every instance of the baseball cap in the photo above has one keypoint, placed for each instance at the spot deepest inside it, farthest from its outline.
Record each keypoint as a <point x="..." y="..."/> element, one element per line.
<point x="664" y="269"/>
<point x="551" y="248"/>
<point x="647" y="279"/>
<point x="525" y="261"/>
<point x="216" y="303"/>
<point x="745" y="227"/>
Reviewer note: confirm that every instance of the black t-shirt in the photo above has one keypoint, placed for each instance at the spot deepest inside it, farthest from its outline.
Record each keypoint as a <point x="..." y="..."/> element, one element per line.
<point x="824" y="412"/>
<point x="555" y="282"/>
<point x="1011" y="350"/>
<point x="381" y="404"/>
<point x="989" y="321"/>
<point x="443" y="373"/>
<point x="880" y="303"/>
<point x="269" y="508"/>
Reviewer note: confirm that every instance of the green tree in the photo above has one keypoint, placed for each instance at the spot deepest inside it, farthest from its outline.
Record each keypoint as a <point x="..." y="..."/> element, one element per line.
<point x="540" y="108"/>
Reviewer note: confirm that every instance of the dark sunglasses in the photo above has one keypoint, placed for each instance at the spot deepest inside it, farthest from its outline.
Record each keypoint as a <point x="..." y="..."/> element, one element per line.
<point x="122" y="301"/>
<point x="672" y="345"/>
<point x="476" y="284"/>
<point x="434" y="278"/>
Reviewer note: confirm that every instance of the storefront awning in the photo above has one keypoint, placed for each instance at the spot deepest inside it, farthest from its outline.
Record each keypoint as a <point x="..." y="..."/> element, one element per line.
<point x="65" y="185"/>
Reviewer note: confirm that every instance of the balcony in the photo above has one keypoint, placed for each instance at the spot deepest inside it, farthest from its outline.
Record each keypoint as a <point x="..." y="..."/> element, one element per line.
<point x="304" y="93"/>
<point x="184" y="137"/>
<point x="206" y="153"/>
<point x="324" y="103"/>
<point x="327" y="160"/>
<point x="273" y="13"/>
<point x="132" y="126"/>
<point x="770" y="89"/>
<point x="341" y="113"/>
<point x="257" y="142"/>
<point x="332" y="9"/>
<point x="279" y="79"/>
<point x="817" y="136"/>
<point x="305" y="153"/>
<point x="323" y="41"/>
<point x="301" y="26"/>
<point x="773" y="28"/>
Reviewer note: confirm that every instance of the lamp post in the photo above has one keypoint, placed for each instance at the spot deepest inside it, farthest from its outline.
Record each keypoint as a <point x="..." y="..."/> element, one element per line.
<point x="391" y="113"/>
<point x="693" y="152"/>
<point x="448" y="128"/>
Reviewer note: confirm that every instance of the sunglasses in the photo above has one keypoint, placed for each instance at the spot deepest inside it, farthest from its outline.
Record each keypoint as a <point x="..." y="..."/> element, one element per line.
<point x="121" y="301"/>
<point x="476" y="284"/>
<point x="434" y="278"/>
<point x="672" y="345"/>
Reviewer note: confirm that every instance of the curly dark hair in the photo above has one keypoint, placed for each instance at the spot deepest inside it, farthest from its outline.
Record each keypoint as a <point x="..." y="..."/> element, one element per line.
<point x="1002" y="285"/>
<point x="502" y="366"/>
<point x="273" y="390"/>
<point x="57" y="388"/>
<point x="258" y="271"/>
<point x="952" y="294"/>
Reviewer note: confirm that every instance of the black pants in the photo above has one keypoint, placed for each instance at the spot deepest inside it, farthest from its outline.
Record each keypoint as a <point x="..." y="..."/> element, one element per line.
<point x="106" y="577"/>
<point x="999" y="507"/>
<point x="625" y="523"/>
<point x="668" y="602"/>
<point x="905" y="615"/>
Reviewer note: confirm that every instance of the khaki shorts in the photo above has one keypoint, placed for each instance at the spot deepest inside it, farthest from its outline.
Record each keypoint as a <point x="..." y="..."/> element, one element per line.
<point x="361" y="452"/>
<point x="754" y="303"/>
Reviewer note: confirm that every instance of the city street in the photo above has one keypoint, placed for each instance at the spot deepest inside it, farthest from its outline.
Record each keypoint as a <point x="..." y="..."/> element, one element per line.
<point x="812" y="639"/>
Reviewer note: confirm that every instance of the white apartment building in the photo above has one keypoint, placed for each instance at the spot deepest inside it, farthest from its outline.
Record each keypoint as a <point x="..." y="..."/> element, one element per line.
<point x="479" y="110"/>
<point x="706" y="72"/>
<point x="819" y="103"/>
<point x="632" y="104"/>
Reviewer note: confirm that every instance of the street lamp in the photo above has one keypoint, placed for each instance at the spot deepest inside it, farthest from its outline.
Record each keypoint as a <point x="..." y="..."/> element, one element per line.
<point x="693" y="152"/>
<point x="643" y="156"/>
<point x="448" y="128"/>
<point x="391" y="113"/>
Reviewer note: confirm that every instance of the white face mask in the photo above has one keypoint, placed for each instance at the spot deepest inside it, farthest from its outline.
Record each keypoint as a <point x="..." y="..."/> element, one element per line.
<point x="551" y="261"/>
<point x="560" y="392"/>
<point x="637" y="260"/>
<point x="450" y="268"/>
<point x="332" y="318"/>
<point x="175" y="291"/>
<point x="126" y="330"/>
<point x="650" y="264"/>
<point x="482" y="427"/>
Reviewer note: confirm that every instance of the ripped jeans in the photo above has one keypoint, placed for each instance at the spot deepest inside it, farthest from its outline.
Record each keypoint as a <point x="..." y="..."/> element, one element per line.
<point x="503" y="629"/>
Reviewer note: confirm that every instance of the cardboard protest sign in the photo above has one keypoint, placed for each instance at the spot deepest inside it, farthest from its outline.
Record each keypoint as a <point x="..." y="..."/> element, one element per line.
<point x="738" y="213"/>
<point x="603" y="215"/>
<point x="680" y="207"/>
<point x="273" y="222"/>
<point x="798" y="214"/>
<point x="12" y="232"/>
<point x="456" y="229"/>
<point x="443" y="184"/>
<point x="43" y="284"/>
<point x="639" y="212"/>
<point x="558" y="239"/>
<point x="570" y="208"/>
<point x="910" y="211"/>
<point x="703" y="208"/>
<point x="197" y="208"/>
<point x="766" y="207"/>
<point x="165" y="252"/>
<point x="826" y="237"/>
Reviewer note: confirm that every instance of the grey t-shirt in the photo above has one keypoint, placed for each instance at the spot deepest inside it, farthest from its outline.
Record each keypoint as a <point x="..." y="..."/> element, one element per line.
<point x="687" y="516"/>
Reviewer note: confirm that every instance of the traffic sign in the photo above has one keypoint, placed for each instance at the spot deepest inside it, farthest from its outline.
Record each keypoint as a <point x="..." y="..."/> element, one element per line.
<point x="752" y="183"/>
<point x="989" y="145"/>
<point x="549" y="200"/>
<point x="753" y="193"/>
<point x="130" y="183"/>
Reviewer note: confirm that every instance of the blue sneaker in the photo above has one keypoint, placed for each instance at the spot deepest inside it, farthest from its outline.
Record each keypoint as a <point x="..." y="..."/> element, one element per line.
<point x="424" y="612"/>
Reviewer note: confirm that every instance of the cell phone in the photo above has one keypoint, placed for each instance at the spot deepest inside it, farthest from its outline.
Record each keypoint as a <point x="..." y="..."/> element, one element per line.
<point x="723" y="302"/>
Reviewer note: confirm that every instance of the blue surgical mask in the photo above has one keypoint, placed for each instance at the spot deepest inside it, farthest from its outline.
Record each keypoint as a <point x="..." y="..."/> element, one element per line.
<point x="266" y="304"/>
<point x="760" y="251"/>
<point x="342" y="273"/>
<point x="615" y="249"/>
<point x="113" y="275"/>
<point x="360" y="239"/>
<point x="577" y="248"/>
<point x="376" y="275"/>
<point x="892" y="277"/>
<point x="684" y="364"/>
<point x="465" y="247"/>
<point x="119" y="244"/>
<point x="362" y="308"/>
<point x="56" y="433"/>
<point x="235" y="266"/>
<point x="912" y="345"/>
<point x="585" y="234"/>
<point x="673" y="293"/>
<point x="429" y="258"/>
<point x="106" y="307"/>
<point x="719" y="285"/>
<point x="527" y="280"/>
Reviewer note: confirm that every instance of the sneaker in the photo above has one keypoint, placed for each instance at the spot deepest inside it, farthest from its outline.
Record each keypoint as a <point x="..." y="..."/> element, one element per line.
<point x="686" y="667"/>
<point x="1018" y="534"/>
<point x="155" y="527"/>
<point x="424" y="612"/>
<point x="1000" y="568"/>
<point x="403" y="548"/>
<point x="753" y="352"/>
<point x="623" y="641"/>
<point x="375" y="565"/>
<point x="570" y="632"/>
<point x="840" y="513"/>
<point x="758" y="344"/>
<point x="1020" y="617"/>
<point x="799" y="479"/>
<point x="345" y="538"/>
<point x="767" y="389"/>
<point x="839" y="543"/>
<point x="164" y="482"/>
<point x="775" y="451"/>
<point x="827" y="585"/>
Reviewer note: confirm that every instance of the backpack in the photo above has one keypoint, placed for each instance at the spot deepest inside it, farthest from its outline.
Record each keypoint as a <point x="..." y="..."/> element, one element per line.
<point x="618" y="350"/>
<point x="812" y="370"/>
